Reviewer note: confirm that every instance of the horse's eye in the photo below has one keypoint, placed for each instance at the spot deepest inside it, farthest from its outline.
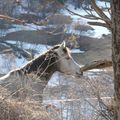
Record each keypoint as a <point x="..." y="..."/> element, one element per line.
<point x="64" y="50"/>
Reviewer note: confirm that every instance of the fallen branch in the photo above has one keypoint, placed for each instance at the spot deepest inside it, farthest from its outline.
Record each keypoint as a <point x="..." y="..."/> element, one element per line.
<point x="6" y="51"/>
<point x="13" y="20"/>
<point x="97" y="65"/>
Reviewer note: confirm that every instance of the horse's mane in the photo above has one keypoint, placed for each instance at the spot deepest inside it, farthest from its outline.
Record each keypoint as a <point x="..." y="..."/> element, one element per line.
<point x="38" y="64"/>
<point x="41" y="61"/>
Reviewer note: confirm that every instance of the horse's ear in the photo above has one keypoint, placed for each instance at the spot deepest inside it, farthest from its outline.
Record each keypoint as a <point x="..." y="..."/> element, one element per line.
<point x="63" y="44"/>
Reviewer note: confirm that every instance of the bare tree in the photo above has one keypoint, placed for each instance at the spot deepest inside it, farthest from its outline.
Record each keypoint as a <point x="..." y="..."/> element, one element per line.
<point x="116" y="52"/>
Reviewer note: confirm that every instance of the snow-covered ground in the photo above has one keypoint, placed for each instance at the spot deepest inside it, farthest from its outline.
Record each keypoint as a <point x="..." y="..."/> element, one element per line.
<point x="98" y="30"/>
<point x="15" y="28"/>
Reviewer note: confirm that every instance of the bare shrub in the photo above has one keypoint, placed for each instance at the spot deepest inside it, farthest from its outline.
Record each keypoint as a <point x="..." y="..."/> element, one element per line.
<point x="84" y="98"/>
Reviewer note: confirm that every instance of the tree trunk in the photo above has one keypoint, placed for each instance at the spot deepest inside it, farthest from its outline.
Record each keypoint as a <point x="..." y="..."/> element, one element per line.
<point x="116" y="53"/>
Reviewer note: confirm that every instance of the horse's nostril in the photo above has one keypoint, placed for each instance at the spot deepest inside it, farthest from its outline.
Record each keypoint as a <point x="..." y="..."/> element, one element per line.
<point x="79" y="74"/>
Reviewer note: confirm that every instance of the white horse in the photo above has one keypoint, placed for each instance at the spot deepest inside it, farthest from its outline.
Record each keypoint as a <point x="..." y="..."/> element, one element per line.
<point x="36" y="73"/>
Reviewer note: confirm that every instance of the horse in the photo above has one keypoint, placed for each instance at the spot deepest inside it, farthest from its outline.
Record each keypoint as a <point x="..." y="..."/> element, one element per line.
<point x="36" y="73"/>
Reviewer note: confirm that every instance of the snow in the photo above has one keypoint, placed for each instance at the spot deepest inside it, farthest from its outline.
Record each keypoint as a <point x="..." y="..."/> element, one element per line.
<point x="20" y="62"/>
<point x="99" y="31"/>
<point x="103" y="4"/>
<point x="76" y="51"/>
<point x="96" y="33"/>
<point x="54" y="80"/>
<point x="40" y="48"/>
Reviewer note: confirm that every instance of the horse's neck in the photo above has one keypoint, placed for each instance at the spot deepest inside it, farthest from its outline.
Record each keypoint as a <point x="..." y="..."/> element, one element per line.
<point x="43" y="66"/>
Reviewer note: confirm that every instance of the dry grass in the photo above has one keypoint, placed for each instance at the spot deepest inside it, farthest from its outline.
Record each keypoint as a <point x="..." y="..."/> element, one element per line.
<point x="85" y="98"/>
<point x="12" y="110"/>
<point x="21" y="104"/>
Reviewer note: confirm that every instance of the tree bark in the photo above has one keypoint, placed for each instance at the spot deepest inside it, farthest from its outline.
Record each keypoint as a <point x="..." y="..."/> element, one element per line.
<point x="116" y="53"/>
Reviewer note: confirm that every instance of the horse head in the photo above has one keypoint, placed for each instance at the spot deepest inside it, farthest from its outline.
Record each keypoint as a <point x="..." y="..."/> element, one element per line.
<point x="65" y="62"/>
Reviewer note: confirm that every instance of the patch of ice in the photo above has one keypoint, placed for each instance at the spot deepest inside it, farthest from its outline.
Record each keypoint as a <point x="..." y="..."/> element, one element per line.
<point x="76" y="51"/>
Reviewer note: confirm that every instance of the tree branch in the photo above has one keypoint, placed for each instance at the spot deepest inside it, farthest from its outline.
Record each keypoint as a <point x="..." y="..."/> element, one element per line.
<point x="100" y="13"/>
<point x="100" y="24"/>
<point x="86" y="17"/>
<point x="14" y="20"/>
